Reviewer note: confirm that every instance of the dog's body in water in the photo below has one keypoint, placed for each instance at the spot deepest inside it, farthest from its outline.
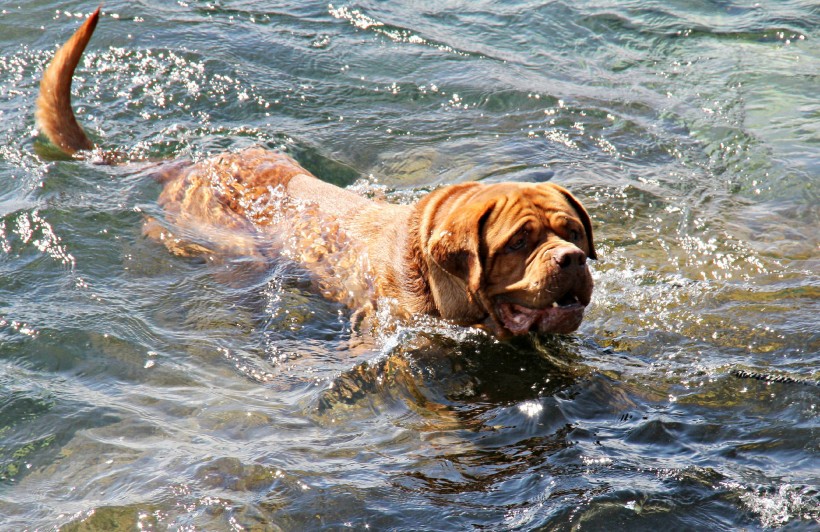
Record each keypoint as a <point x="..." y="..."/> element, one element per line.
<point x="510" y="258"/>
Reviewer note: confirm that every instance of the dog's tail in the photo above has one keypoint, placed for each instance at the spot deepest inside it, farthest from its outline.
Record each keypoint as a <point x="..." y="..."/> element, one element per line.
<point x="54" y="115"/>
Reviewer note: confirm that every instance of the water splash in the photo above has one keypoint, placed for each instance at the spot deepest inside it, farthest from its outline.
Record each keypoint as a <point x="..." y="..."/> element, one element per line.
<point x="777" y="506"/>
<point x="30" y="228"/>
<point x="362" y="21"/>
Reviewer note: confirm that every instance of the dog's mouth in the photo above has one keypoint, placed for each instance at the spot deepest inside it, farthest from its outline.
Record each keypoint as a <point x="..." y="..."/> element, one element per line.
<point x="562" y="316"/>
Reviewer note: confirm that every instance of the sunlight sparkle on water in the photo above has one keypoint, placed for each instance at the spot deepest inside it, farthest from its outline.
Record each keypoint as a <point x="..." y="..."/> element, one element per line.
<point x="531" y="408"/>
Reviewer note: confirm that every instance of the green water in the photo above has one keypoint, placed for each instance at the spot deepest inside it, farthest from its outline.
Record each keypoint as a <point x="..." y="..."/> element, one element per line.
<point x="139" y="389"/>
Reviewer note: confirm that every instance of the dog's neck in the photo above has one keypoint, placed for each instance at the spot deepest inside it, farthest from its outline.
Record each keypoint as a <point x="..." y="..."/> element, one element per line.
<point x="416" y="285"/>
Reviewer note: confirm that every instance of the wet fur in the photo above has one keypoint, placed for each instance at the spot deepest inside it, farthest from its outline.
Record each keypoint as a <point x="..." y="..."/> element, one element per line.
<point x="450" y="255"/>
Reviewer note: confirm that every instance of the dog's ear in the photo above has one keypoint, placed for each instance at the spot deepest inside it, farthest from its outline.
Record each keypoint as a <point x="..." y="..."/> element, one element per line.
<point x="582" y="214"/>
<point x="455" y="242"/>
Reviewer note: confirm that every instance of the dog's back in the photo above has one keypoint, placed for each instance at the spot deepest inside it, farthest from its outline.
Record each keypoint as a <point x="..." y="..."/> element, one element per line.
<point x="254" y="203"/>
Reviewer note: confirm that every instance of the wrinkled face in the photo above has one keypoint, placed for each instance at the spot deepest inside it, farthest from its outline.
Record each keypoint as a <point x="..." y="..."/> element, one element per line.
<point x="522" y="251"/>
<point x="536" y="241"/>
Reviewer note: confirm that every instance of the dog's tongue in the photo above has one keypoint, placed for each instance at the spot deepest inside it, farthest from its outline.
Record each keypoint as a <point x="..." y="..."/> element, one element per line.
<point x="519" y="319"/>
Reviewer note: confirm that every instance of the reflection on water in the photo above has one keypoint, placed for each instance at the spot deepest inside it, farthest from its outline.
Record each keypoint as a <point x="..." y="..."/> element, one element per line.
<point x="140" y="389"/>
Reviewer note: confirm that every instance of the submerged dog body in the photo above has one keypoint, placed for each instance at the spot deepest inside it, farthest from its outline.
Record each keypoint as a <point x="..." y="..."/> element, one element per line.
<point x="509" y="257"/>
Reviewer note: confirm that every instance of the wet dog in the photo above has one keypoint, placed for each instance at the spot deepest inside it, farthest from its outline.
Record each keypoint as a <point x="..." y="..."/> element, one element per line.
<point x="508" y="257"/>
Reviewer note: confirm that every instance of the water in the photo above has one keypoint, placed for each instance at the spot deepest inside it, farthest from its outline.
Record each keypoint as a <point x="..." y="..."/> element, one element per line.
<point x="139" y="389"/>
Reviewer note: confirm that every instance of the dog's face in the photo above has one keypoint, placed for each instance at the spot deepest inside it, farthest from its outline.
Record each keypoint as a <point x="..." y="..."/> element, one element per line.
<point x="520" y="251"/>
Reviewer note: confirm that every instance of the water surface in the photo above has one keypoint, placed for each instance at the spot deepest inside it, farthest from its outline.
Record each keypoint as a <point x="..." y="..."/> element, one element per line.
<point x="140" y="389"/>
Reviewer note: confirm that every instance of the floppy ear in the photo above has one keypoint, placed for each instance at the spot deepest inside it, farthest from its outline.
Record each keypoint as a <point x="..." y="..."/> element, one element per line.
<point x="455" y="243"/>
<point x="582" y="214"/>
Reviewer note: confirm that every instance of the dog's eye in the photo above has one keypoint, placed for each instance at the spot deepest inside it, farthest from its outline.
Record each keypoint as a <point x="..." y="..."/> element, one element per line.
<point x="574" y="235"/>
<point x="517" y="243"/>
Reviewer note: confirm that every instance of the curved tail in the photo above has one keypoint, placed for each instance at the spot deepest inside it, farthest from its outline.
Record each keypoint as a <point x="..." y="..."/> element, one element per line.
<point x="55" y="118"/>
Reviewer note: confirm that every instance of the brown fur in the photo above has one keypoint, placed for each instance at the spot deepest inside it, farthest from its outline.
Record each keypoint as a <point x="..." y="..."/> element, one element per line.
<point x="509" y="257"/>
<point x="54" y="114"/>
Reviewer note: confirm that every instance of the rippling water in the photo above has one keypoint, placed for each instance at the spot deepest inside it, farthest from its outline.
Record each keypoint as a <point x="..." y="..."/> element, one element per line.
<point x="139" y="389"/>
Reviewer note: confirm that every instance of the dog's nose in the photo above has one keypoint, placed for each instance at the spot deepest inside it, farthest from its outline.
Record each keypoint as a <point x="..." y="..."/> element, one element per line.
<point x="569" y="257"/>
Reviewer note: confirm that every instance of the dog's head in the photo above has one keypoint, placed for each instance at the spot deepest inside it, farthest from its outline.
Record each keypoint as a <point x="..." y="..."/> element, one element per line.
<point x="515" y="256"/>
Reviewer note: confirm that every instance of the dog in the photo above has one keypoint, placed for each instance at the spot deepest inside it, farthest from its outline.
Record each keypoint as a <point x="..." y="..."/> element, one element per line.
<point x="510" y="258"/>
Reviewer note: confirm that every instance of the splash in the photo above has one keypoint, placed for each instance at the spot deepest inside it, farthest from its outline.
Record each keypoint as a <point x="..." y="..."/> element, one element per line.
<point x="776" y="507"/>
<point x="399" y="35"/>
<point x="31" y="228"/>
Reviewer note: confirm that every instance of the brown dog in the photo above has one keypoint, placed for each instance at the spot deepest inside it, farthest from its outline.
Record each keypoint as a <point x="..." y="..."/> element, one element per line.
<point x="508" y="257"/>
